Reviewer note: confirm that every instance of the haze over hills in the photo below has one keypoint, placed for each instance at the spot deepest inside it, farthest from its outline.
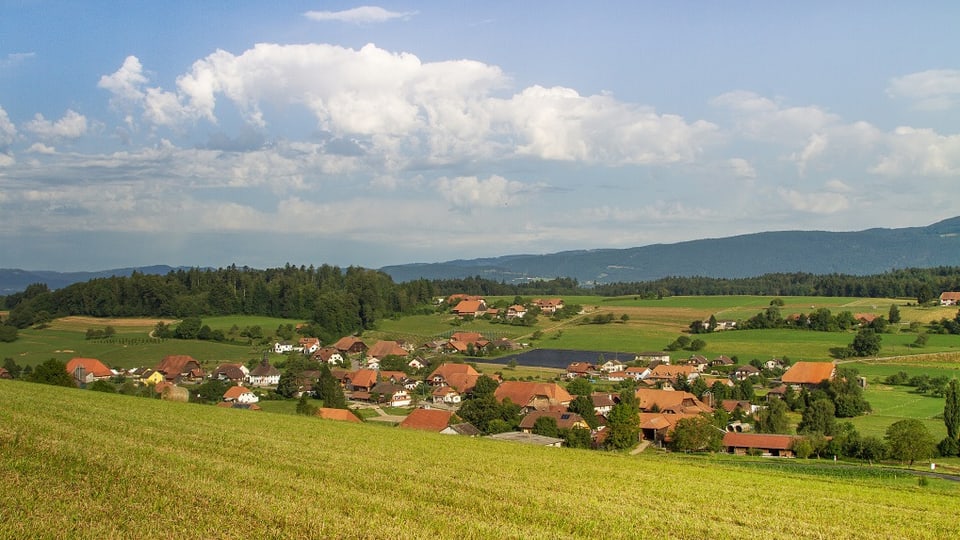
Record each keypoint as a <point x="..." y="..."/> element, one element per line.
<point x="871" y="251"/>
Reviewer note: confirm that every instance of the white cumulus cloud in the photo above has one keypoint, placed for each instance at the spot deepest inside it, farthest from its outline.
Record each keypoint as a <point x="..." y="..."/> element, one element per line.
<point x="931" y="90"/>
<point x="742" y="168"/>
<point x="914" y="151"/>
<point x="362" y="14"/>
<point x="819" y="202"/>
<point x="467" y="192"/>
<point x="70" y="126"/>
<point x="8" y="132"/>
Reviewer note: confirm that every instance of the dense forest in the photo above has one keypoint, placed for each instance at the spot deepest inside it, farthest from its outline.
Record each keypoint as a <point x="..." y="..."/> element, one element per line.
<point x="341" y="301"/>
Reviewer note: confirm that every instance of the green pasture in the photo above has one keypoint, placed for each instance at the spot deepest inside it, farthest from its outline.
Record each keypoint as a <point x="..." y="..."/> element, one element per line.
<point x="150" y="465"/>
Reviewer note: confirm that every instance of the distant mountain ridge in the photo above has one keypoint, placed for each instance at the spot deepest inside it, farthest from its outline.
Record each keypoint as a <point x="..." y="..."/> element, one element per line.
<point x="872" y="251"/>
<point x="14" y="280"/>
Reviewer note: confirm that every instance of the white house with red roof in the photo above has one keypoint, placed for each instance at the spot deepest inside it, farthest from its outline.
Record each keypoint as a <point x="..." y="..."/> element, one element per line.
<point x="239" y="394"/>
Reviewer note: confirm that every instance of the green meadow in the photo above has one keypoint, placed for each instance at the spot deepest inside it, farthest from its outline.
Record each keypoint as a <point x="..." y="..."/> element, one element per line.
<point x="89" y="465"/>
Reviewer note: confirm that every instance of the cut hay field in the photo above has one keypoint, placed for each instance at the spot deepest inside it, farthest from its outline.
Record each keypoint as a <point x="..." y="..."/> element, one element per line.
<point x="90" y="465"/>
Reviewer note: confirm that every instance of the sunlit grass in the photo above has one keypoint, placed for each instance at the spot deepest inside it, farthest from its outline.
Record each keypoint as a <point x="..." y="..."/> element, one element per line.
<point x="93" y="465"/>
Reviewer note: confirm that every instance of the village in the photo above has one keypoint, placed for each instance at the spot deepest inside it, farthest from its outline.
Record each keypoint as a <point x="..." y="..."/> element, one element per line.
<point x="433" y="381"/>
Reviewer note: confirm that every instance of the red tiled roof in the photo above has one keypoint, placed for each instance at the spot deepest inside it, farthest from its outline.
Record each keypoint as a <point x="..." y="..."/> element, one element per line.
<point x="427" y="420"/>
<point x="363" y="377"/>
<point x="468" y="306"/>
<point x="90" y="366"/>
<point x="234" y="392"/>
<point x="650" y="398"/>
<point x="809" y="373"/>
<point x="766" y="441"/>
<point x="386" y="348"/>
<point x="664" y="371"/>
<point x="565" y="420"/>
<point x="348" y="342"/>
<point x="950" y="295"/>
<point x="524" y="392"/>
<point x="336" y="414"/>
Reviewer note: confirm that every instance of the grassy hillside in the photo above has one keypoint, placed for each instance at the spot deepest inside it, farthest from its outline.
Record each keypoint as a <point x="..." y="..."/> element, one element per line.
<point x="97" y="466"/>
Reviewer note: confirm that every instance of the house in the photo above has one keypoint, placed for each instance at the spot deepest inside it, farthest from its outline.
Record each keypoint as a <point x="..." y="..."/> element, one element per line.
<point x="151" y="376"/>
<point x="282" y="347"/>
<point x="446" y="394"/>
<point x="548" y="305"/>
<point x="383" y="349"/>
<point x="395" y="377"/>
<point x="731" y="405"/>
<point x="462" y="341"/>
<point x="744" y="372"/>
<point x="670" y="401"/>
<point x="350" y="345"/>
<point x="87" y="370"/>
<point x="778" y="392"/>
<point x="372" y="363"/>
<point x="766" y="443"/>
<point x="580" y="369"/>
<point x="330" y="355"/>
<point x="417" y="363"/>
<point x="949" y="298"/>
<point x="638" y="372"/>
<point x="616" y="376"/>
<point x="231" y="372"/>
<point x="667" y="373"/>
<point x="527" y="438"/>
<point x="533" y="395"/>
<point x="516" y="311"/>
<point x="342" y="415"/>
<point x="362" y="380"/>
<point x="773" y="363"/>
<point x="309" y="345"/>
<point x="392" y="394"/>
<point x="180" y="366"/>
<point x="462" y="377"/>
<point x="565" y="420"/>
<point x="699" y="362"/>
<point x="427" y="420"/>
<point x="654" y="356"/>
<point x="612" y="365"/>
<point x="240" y="394"/>
<point x="721" y="361"/>
<point x="864" y="319"/>
<point x="264" y="375"/>
<point x="658" y="427"/>
<point x="470" y="308"/>
<point x="603" y="402"/>
<point x="809" y="374"/>
<point x="4" y="374"/>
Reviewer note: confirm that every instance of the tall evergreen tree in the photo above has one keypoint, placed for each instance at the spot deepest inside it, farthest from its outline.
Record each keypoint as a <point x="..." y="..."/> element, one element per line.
<point x="951" y="410"/>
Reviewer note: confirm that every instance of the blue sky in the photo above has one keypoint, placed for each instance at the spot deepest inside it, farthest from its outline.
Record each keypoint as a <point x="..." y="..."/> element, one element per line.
<point x="211" y="133"/>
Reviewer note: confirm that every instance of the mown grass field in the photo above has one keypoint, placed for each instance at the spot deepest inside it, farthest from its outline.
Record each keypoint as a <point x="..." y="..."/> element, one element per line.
<point x="89" y="465"/>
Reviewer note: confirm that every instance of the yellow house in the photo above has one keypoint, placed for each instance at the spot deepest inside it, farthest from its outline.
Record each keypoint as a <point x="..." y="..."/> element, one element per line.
<point x="152" y="377"/>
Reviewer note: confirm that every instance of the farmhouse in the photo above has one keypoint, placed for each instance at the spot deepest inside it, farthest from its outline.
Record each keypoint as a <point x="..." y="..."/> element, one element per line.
<point x="580" y="369"/>
<point x="516" y="311"/>
<point x="240" y="394"/>
<point x="350" y="345"/>
<point x="308" y="345"/>
<point x="427" y="420"/>
<point x="766" y="443"/>
<point x="264" y="375"/>
<point x="330" y="355"/>
<point x="461" y="377"/>
<point x="744" y="372"/>
<point x="87" y="370"/>
<point x="180" y="366"/>
<point x="808" y="374"/>
<point x="670" y="401"/>
<point x="565" y="420"/>
<point x="533" y="395"/>
<point x="282" y="347"/>
<point x="548" y="305"/>
<point x="383" y="349"/>
<point x="668" y="373"/>
<point x="470" y="308"/>
<point x="446" y="394"/>
<point x="231" y="372"/>
<point x="950" y="298"/>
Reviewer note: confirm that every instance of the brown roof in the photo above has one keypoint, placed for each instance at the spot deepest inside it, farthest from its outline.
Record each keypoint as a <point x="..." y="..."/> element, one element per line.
<point x="350" y="342"/>
<point x="765" y="441"/>
<point x="580" y="367"/>
<point x="731" y="405"/>
<point x="525" y="393"/>
<point x="363" y="377"/>
<point x="950" y="295"/>
<point x="602" y="399"/>
<point x="663" y="371"/>
<point x="336" y="414"/>
<point x="809" y="373"/>
<point x="383" y="349"/>
<point x="264" y="369"/>
<point x="446" y="370"/>
<point x="467" y="337"/>
<point x="230" y="371"/>
<point x="90" y="366"/>
<point x="177" y="364"/>
<point x="468" y="306"/>
<point x="427" y="420"/>
<point x="325" y="353"/>
<point x="673" y="400"/>
<point x="565" y="420"/>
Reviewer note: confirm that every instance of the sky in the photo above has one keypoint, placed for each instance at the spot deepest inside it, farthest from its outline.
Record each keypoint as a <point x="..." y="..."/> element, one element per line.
<point x="264" y="133"/>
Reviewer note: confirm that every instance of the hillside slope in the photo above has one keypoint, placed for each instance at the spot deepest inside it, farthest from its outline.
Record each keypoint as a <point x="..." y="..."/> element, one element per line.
<point x="96" y="465"/>
<point x="866" y="252"/>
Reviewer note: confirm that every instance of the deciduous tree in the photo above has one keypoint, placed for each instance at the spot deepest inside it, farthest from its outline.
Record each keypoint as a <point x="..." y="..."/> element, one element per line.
<point x="909" y="440"/>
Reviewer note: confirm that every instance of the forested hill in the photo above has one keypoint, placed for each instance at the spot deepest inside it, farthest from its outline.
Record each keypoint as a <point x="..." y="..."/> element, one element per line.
<point x="872" y="251"/>
<point x="14" y="279"/>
